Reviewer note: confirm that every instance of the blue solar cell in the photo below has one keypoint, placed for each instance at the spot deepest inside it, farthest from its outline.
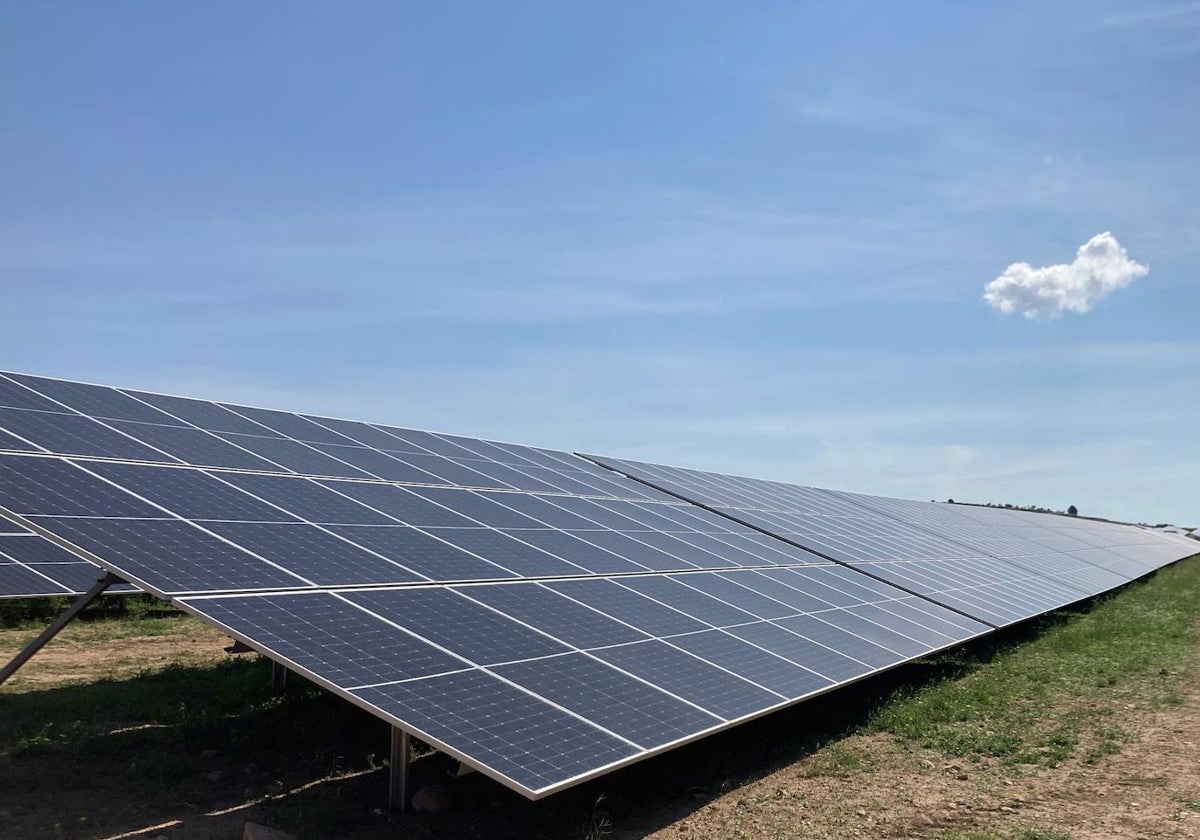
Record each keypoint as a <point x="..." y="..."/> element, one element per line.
<point x="733" y="553"/>
<point x="419" y="441"/>
<point x="428" y="556"/>
<point x="93" y="400"/>
<point x="796" y="599"/>
<point x="295" y="456"/>
<point x="452" y="472"/>
<point x="194" y="446"/>
<point x="811" y="582"/>
<point x="937" y="618"/>
<point x="503" y="475"/>
<point x="695" y="680"/>
<point x="553" y="614"/>
<point x="170" y="556"/>
<point x="577" y="551"/>
<point x="754" y="664"/>
<point x="14" y="443"/>
<point x="189" y="493"/>
<point x="17" y="581"/>
<point x="71" y="434"/>
<point x="510" y="553"/>
<point x="926" y="635"/>
<point x="592" y="515"/>
<point x="204" y="414"/>
<point x="32" y="485"/>
<point x="640" y="517"/>
<point x="378" y="464"/>
<point x="507" y="730"/>
<point x="687" y="600"/>
<point x="13" y="395"/>
<point x="739" y="596"/>
<point x="288" y="424"/>
<point x="401" y="504"/>
<point x="35" y="550"/>
<point x="884" y="636"/>
<point x="313" y="554"/>
<point x="449" y="620"/>
<point x="544" y="510"/>
<point x="635" y="551"/>
<point x="486" y="507"/>
<point x="307" y="500"/>
<point x="637" y="610"/>
<point x="329" y="637"/>
<point x="698" y="557"/>
<point x="617" y="702"/>
<point x="362" y="433"/>
<point x="836" y="661"/>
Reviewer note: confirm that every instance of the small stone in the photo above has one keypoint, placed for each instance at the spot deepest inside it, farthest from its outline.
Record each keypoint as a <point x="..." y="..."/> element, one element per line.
<point x="256" y="831"/>
<point x="207" y="753"/>
<point x="432" y="799"/>
<point x="962" y="777"/>
<point x="215" y="776"/>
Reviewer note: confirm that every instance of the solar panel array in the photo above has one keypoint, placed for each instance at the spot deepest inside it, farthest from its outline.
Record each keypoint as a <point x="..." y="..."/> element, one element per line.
<point x="539" y="616"/>
<point x="996" y="565"/>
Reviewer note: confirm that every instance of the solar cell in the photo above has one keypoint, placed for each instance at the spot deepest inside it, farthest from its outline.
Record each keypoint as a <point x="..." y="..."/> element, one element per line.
<point x="433" y="558"/>
<point x="71" y="434"/>
<point x="499" y="727"/>
<point x="711" y="688"/>
<point x="553" y="614"/>
<point x="459" y="624"/>
<point x="194" y="446"/>
<point x="633" y="709"/>
<point x="323" y="634"/>
<point x="170" y="556"/>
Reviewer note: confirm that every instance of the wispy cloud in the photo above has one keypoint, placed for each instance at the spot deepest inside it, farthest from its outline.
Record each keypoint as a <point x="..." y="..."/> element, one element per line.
<point x="1158" y="15"/>
<point x="1101" y="266"/>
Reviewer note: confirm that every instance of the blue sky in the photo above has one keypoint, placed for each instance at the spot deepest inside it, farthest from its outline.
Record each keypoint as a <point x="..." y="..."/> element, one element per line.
<point x="742" y="237"/>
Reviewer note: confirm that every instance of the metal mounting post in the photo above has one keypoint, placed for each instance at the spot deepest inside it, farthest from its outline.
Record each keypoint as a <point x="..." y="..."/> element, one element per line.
<point x="398" y="771"/>
<point x="59" y="623"/>
<point x="278" y="677"/>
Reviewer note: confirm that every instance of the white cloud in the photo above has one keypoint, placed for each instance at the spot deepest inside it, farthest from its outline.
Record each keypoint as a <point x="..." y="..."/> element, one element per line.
<point x="1101" y="266"/>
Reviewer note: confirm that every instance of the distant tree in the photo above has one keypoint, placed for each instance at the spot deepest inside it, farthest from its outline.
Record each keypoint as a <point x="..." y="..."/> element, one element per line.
<point x="1072" y="511"/>
<point x="949" y="501"/>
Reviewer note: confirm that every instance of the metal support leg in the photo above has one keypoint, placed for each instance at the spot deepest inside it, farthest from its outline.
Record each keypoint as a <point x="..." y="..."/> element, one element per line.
<point x="59" y="623"/>
<point x="398" y="771"/>
<point x="278" y="677"/>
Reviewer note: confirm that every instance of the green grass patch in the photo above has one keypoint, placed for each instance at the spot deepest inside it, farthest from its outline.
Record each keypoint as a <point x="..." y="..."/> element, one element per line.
<point x="36" y="613"/>
<point x="837" y="759"/>
<point x="1037" y="701"/>
<point x="1009" y="834"/>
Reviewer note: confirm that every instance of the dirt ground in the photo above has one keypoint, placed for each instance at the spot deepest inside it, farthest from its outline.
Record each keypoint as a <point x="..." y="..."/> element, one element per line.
<point x="859" y="787"/>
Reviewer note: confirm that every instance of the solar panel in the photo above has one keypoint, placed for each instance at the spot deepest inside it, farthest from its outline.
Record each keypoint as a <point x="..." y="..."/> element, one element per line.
<point x="996" y="565"/>
<point x="536" y="615"/>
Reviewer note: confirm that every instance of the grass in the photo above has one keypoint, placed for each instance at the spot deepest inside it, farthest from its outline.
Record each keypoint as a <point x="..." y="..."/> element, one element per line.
<point x="1011" y="834"/>
<point x="1036" y="701"/>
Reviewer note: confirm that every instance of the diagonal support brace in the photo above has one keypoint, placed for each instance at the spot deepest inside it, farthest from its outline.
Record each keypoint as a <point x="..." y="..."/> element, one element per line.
<point x="59" y="623"/>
